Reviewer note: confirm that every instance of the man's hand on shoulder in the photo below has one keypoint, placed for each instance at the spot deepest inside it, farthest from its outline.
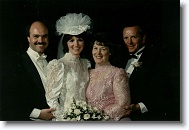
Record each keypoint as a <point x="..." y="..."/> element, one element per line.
<point x="131" y="108"/>
<point x="46" y="114"/>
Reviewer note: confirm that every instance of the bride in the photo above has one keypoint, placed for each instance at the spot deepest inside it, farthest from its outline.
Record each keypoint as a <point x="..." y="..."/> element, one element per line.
<point x="67" y="77"/>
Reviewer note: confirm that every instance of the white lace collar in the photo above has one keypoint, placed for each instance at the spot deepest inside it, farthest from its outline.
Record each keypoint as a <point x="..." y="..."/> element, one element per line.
<point x="71" y="57"/>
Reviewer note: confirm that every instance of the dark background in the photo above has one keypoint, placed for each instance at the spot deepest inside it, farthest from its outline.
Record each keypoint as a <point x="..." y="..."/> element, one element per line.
<point x="161" y="17"/>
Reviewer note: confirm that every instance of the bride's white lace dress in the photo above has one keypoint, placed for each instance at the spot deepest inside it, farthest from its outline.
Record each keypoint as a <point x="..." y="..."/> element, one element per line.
<point x="66" y="79"/>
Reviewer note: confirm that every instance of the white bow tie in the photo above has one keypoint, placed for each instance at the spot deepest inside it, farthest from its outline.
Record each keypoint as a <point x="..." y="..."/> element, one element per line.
<point x="42" y="57"/>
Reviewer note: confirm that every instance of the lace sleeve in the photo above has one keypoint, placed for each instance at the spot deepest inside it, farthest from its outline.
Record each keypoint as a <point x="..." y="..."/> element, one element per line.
<point x="121" y="93"/>
<point x="88" y="64"/>
<point x="55" y="72"/>
<point x="121" y="88"/>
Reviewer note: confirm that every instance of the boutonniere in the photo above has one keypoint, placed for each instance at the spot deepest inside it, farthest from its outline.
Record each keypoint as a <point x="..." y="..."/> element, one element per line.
<point x="137" y="64"/>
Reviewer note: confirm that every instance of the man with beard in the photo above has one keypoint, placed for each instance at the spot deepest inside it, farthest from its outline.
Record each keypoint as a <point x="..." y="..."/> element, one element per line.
<point x="24" y="95"/>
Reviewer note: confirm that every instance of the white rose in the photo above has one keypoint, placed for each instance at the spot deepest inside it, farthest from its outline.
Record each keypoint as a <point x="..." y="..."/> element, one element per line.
<point x="77" y="111"/>
<point x="86" y="116"/>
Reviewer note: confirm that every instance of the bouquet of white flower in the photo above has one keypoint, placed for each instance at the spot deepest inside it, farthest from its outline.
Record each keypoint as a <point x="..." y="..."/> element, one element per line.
<point x="81" y="111"/>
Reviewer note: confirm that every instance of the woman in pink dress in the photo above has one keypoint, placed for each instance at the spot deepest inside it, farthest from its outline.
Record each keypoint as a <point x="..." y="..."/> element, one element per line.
<point x="108" y="87"/>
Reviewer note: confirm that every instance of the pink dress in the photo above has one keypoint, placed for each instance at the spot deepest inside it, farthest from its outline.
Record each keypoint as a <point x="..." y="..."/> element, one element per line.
<point x="108" y="90"/>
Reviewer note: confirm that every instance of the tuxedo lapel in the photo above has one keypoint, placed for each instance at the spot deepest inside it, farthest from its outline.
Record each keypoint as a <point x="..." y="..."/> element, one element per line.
<point x="32" y="71"/>
<point x="148" y="58"/>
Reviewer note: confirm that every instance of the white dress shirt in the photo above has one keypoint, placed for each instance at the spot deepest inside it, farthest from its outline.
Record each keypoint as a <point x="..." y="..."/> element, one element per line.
<point x="40" y="63"/>
<point x="129" y="69"/>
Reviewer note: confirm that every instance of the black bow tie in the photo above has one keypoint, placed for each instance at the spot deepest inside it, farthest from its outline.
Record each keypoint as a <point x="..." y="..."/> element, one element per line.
<point x="135" y="56"/>
<point x="132" y="56"/>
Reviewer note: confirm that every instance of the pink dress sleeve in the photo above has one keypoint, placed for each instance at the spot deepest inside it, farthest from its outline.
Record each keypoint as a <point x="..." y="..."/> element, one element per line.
<point x="122" y="95"/>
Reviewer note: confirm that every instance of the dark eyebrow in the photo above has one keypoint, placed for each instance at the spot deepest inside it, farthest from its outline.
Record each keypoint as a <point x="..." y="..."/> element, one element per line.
<point x="36" y="35"/>
<point x="45" y="35"/>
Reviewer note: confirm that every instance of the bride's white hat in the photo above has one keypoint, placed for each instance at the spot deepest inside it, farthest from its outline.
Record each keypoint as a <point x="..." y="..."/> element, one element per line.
<point x="73" y="24"/>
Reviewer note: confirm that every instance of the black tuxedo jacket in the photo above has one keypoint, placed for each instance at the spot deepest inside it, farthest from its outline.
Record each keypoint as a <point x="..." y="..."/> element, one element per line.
<point x="151" y="84"/>
<point x="23" y="90"/>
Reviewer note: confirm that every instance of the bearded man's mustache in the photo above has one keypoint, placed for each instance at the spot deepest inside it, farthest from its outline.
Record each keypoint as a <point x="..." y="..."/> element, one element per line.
<point x="39" y="43"/>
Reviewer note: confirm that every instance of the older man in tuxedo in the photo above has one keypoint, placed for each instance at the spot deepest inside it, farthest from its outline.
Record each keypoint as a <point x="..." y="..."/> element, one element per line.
<point x="149" y="79"/>
<point x="24" y="92"/>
